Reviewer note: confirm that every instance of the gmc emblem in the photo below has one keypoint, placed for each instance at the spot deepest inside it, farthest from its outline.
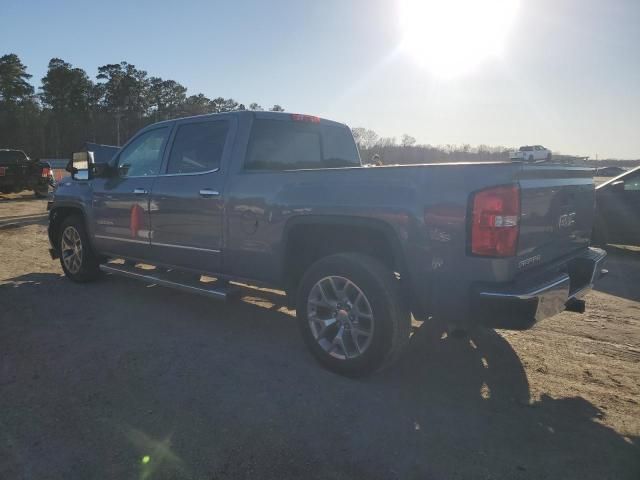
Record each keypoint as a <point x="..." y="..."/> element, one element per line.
<point x="567" y="220"/>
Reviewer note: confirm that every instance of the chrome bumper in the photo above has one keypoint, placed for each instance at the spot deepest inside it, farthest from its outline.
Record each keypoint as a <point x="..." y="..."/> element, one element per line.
<point x="520" y="306"/>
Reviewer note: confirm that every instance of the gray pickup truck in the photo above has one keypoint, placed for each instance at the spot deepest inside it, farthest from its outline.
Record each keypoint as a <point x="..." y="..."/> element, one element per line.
<point x="282" y="200"/>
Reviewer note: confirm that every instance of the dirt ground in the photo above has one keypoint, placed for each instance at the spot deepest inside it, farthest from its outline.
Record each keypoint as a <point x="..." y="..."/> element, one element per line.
<point x="117" y="379"/>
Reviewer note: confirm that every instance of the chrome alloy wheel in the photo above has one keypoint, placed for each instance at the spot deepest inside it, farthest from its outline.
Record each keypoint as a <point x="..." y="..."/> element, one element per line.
<point x="71" y="248"/>
<point x="340" y="317"/>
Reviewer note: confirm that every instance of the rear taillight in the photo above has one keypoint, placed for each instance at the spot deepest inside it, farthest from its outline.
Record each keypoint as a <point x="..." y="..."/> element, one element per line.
<point x="495" y="221"/>
<point x="46" y="171"/>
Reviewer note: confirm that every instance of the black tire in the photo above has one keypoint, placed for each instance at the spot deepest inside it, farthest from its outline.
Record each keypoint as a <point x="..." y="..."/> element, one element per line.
<point x="89" y="261"/>
<point x="391" y="318"/>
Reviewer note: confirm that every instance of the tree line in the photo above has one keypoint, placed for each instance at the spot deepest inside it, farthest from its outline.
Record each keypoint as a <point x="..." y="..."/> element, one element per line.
<point x="69" y="108"/>
<point x="391" y="151"/>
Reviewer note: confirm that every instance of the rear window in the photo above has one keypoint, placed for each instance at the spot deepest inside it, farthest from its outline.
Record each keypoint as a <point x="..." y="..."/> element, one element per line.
<point x="526" y="149"/>
<point x="290" y="145"/>
<point x="11" y="156"/>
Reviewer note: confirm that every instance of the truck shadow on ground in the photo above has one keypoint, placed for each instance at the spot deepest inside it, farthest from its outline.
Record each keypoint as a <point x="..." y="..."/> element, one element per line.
<point x="623" y="279"/>
<point x="17" y="221"/>
<point x="97" y="378"/>
<point x="22" y="197"/>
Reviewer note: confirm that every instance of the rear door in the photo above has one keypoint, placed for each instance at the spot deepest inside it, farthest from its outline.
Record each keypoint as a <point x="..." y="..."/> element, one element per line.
<point x="121" y="201"/>
<point x="187" y="201"/>
<point x="557" y="212"/>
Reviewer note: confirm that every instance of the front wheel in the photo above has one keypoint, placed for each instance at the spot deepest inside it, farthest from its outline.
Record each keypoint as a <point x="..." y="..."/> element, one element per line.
<point x="77" y="258"/>
<point x="351" y="314"/>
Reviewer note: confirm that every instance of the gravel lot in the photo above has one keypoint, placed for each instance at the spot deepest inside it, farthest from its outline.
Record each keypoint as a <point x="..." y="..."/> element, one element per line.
<point x="120" y="380"/>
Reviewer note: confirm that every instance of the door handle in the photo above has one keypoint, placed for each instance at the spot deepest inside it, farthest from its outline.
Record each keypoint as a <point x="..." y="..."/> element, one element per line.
<point x="207" y="192"/>
<point x="139" y="191"/>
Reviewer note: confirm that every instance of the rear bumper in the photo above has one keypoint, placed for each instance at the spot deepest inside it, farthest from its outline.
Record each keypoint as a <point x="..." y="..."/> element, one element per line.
<point x="519" y="305"/>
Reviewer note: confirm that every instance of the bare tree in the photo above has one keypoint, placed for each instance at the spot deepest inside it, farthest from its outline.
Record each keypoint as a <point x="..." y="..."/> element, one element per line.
<point x="365" y="138"/>
<point x="407" y="140"/>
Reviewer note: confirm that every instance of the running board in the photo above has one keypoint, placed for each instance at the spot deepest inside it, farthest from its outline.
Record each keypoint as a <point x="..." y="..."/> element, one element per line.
<point x="216" y="290"/>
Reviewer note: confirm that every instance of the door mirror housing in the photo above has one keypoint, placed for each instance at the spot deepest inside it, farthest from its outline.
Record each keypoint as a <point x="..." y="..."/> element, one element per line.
<point x="84" y="167"/>
<point x="79" y="166"/>
<point x="101" y="170"/>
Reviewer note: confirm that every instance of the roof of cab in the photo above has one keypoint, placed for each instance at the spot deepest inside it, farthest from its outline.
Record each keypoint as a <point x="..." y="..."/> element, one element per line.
<point x="254" y="113"/>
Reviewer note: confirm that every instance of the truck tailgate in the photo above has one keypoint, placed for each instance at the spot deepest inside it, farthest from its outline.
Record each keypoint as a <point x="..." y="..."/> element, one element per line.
<point x="557" y="203"/>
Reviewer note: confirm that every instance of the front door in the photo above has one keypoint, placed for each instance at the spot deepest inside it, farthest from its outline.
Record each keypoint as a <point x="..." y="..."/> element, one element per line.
<point x="187" y="205"/>
<point x="121" y="201"/>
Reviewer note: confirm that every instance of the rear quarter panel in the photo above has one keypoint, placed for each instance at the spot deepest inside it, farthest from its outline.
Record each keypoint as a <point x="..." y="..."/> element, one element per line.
<point x="425" y="206"/>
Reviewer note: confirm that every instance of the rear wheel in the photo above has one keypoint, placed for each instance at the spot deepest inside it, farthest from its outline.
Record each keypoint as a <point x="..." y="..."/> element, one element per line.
<point x="77" y="258"/>
<point x="351" y="314"/>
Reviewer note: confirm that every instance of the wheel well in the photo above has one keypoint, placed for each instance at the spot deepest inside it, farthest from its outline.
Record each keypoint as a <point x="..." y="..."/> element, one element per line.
<point x="307" y="243"/>
<point x="56" y="218"/>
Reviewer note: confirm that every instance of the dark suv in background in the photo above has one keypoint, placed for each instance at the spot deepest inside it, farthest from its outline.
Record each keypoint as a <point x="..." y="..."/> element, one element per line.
<point x="18" y="172"/>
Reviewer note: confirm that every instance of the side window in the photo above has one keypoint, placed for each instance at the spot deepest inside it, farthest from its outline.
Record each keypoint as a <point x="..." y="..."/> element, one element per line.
<point x="198" y="147"/>
<point x="143" y="156"/>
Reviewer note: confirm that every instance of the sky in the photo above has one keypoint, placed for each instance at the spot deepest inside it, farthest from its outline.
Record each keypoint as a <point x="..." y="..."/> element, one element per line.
<point x="564" y="73"/>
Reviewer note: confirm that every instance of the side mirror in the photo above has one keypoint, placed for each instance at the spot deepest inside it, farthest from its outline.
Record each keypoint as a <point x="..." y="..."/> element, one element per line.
<point x="70" y="168"/>
<point x="101" y="169"/>
<point x="79" y="166"/>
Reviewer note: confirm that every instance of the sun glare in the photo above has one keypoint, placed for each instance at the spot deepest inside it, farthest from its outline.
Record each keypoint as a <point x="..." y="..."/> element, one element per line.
<point x="452" y="37"/>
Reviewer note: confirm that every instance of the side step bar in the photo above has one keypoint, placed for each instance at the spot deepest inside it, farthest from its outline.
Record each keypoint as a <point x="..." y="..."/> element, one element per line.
<point x="215" y="290"/>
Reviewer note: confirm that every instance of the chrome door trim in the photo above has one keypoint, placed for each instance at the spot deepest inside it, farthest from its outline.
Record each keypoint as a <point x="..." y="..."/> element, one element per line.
<point x="185" y="247"/>
<point x="119" y="239"/>
<point x="217" y="169"/>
